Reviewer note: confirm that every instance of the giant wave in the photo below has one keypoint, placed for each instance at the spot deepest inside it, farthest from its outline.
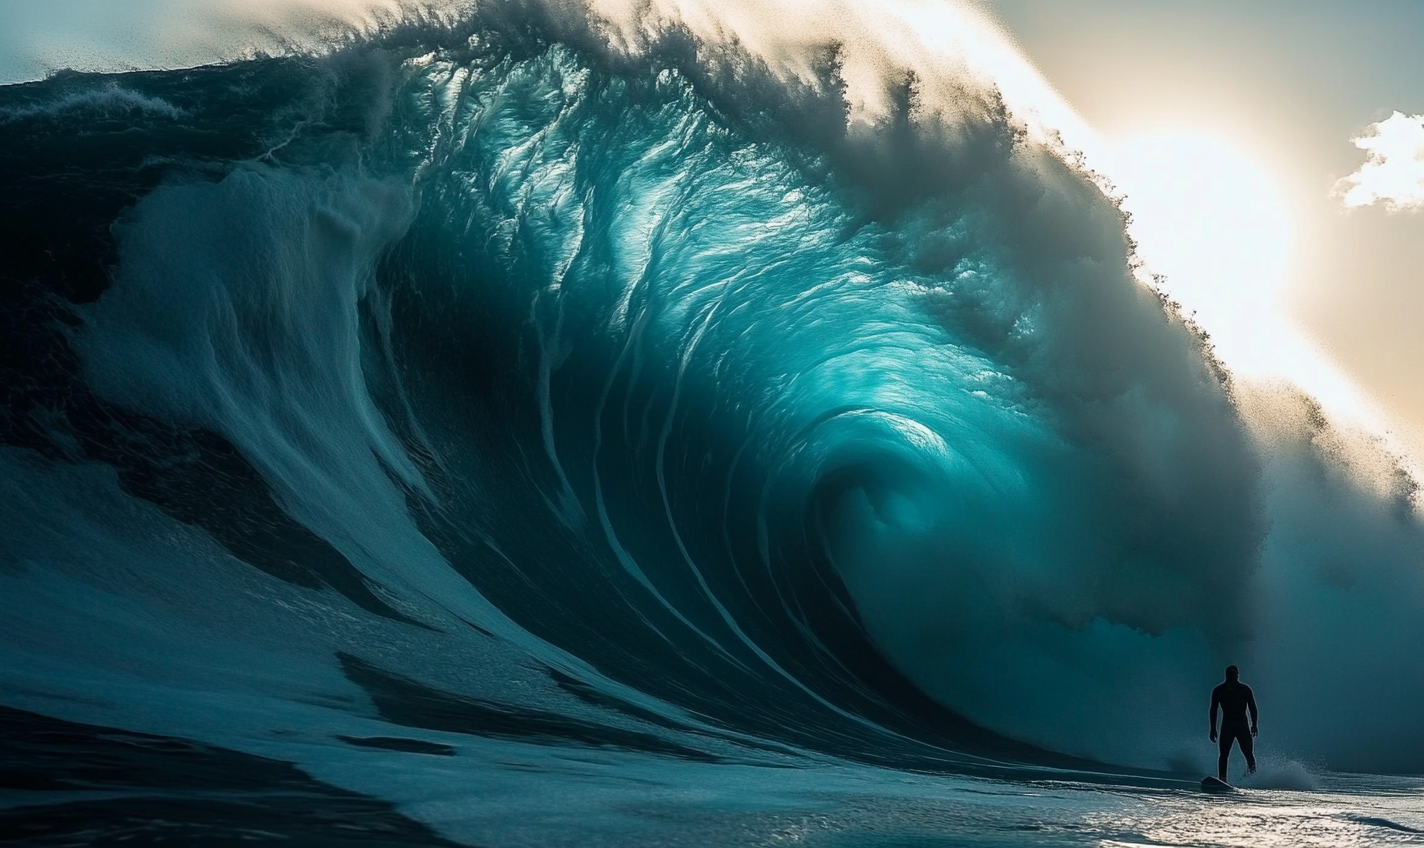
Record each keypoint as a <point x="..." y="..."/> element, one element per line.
<point x="485" y="378"/>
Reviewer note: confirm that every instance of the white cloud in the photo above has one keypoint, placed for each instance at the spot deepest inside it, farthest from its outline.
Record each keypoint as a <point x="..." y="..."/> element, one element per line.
<point x="1393" y="173"/>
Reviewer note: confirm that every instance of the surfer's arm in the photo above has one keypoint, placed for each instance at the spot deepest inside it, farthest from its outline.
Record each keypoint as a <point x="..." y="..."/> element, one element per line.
<point x="1251" y="705"/>
<point x="1215" y="701"/>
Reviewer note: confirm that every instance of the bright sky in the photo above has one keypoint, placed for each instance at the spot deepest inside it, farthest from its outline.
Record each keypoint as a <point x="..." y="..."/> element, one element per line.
<point x="1393" y="173"/>
<point x="1285" y="134"/>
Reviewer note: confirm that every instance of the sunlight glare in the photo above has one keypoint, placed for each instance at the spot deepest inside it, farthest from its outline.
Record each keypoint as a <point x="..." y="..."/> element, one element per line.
<point x="1210" y="221"/>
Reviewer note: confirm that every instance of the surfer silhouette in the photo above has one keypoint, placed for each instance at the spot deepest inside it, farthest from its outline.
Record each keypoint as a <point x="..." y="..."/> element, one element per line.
<point x="1234" y="698"/>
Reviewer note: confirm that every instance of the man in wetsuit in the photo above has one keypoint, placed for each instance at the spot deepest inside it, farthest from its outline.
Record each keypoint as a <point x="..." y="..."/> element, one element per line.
<point x="1234" y="698"/>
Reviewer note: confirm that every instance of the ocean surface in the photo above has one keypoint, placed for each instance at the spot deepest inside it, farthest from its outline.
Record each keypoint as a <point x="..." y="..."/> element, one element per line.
<point x="489" y="431"/>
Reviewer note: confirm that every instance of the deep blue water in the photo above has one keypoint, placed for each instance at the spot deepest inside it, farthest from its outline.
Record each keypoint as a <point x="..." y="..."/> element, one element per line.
<point x="477" y="433"/>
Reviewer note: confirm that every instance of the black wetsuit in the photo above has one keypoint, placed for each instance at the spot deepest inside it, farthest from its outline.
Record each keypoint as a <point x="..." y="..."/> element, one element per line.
<point x="1234" y="698"/>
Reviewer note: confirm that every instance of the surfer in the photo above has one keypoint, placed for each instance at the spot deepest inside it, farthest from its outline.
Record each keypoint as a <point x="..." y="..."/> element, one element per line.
<point x="1234" y="698"/>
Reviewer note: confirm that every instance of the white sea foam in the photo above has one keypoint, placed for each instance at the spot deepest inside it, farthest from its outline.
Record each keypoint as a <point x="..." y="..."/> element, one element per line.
<point x="109" y="100"/>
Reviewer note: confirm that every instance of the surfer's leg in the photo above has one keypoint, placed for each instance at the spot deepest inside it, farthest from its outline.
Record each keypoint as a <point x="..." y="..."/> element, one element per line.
<point x="1224" y="745"/>
<point x="1248" y="748"/>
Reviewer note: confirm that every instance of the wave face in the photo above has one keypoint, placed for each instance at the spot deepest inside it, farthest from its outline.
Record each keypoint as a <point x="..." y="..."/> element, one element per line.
<point x="487" y="380"/>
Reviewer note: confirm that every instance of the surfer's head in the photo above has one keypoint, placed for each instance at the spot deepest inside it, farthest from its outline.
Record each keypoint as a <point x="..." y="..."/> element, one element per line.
<point x="1232" y="672"/>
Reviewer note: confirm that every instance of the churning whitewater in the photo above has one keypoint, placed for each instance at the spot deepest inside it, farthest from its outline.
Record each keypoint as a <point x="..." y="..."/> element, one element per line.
<point x="497" y="385"/>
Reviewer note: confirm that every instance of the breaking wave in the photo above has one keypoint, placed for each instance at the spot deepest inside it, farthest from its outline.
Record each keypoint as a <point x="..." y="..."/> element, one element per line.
<point x="652" y="396"/>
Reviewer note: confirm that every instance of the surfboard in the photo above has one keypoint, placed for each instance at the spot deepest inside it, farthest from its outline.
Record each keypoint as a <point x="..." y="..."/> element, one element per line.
<point x="1211" y="784"/>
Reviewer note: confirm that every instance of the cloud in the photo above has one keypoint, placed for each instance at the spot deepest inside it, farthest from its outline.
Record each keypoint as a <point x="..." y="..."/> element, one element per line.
<point x="1393" y="173"/>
